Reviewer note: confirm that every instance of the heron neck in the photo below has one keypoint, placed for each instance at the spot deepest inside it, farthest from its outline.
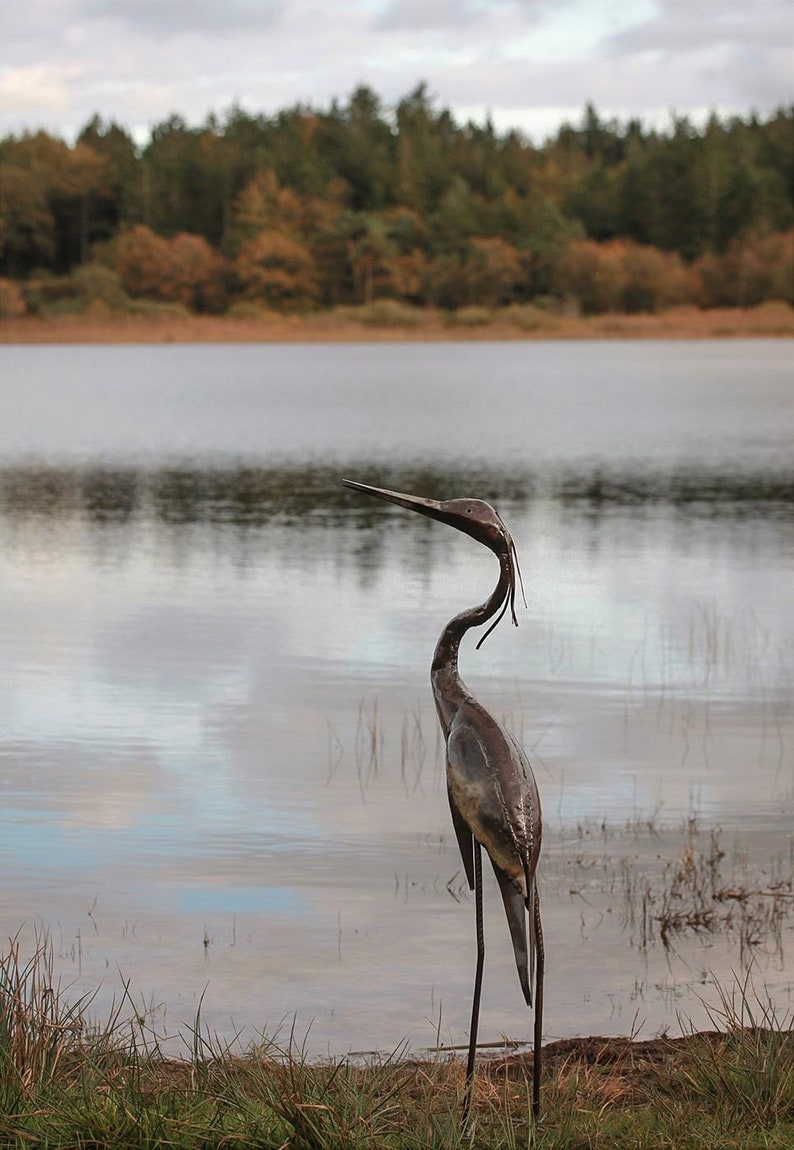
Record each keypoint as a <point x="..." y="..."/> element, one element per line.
<point x="449" y="690"/>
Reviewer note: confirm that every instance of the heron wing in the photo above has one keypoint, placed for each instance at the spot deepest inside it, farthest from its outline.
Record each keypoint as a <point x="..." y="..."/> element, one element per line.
<point x="487" y="794"/>
<point x="465" y="840"/>
<point x="492" y="789"/>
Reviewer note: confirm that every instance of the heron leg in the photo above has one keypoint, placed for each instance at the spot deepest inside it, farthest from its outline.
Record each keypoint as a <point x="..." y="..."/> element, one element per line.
<point x="475" y="1006"/>
<point x="536" y="1062"/>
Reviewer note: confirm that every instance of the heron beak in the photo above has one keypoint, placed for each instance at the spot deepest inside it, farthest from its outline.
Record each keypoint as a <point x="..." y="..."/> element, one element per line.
<point x="430" y="507"/>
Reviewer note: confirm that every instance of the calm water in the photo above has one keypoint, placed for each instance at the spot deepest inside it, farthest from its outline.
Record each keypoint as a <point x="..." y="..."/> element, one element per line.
<point x="219" y="763"/>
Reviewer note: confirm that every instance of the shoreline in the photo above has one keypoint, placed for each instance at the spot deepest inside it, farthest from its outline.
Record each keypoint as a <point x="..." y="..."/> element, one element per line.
<point x="766" y="321"/>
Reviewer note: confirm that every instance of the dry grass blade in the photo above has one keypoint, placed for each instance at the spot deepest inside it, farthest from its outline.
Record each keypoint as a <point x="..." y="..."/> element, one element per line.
<point x="750" y="1071"/>
<point x="67" y="1084"/>
<point x="37" y="1027"/>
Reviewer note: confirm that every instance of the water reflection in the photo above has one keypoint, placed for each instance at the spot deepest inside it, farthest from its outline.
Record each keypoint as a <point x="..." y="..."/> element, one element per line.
<point x="215" y="716"/>
<point x="254" y="496"/>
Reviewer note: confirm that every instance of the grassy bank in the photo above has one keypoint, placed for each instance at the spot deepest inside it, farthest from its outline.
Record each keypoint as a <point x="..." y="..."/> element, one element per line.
<point x="388" y="320"/>
<point x="66" y="1083"/>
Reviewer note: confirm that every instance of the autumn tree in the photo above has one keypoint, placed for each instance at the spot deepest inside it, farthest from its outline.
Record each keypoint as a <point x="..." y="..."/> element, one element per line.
<point x="263" y="205"/>
<point x="754" y="268"/>
<point x="494" y="271"/>
<point x="623" y="276"/>
<point x="592" y="274"/>
<point x="141" y="261"/>
<point x="195" y="274"/>
<point x="655" y="280"/>
<point x="277" y="270"/>
<point x="183" y="270"/>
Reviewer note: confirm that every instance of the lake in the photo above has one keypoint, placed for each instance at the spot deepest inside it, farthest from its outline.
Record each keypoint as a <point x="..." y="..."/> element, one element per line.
<point x="220" y="769"/>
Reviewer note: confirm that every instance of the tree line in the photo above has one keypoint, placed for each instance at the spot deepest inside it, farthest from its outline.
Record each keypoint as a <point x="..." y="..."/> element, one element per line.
<point x="318" y="208"/>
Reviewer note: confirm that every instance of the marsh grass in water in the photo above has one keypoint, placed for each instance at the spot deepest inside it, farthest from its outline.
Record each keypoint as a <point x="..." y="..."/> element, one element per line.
<point x="691" y="895"/>
<point x="664" y="897"/>
<point x="66" y="1082"/>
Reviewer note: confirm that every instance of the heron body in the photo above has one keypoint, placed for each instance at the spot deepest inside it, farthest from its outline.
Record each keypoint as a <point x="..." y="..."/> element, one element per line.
<point x="492" y="791"/>
<point x="493" y="795"/>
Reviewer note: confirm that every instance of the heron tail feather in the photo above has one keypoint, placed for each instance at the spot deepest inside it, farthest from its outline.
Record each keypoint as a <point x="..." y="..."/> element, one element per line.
<point x="523" y="946"/>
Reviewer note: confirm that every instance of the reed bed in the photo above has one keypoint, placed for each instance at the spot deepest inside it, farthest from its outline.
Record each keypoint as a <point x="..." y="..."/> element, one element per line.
<point x="387" y="320"/>
<point x="68" y="1082"/>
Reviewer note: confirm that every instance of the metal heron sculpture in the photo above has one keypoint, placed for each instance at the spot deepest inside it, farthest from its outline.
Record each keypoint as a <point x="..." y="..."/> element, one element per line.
<point x="492" y="792"/>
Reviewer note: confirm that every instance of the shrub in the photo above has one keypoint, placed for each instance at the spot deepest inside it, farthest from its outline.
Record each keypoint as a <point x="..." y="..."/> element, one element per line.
<point x="184" y="270"/>
<point x="89" y="287"/>
<point x="12" y="301"/>
<point x="153" y="309"/>
<point x="754" y="268"/>
<point x="389" y="313"/>
<point x="100" y="284"/>
<point x="248" y="309"/>
<point x="530" y="317"/>
<point x="472" y="316"/>
<point x="622" y="276"/>
<point x="46" y="294"/>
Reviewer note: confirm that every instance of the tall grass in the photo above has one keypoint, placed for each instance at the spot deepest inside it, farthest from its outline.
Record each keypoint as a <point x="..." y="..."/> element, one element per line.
<point x="38" y="1030"/>
<point x="66" y="1083"/>
<point x="748" y="1073"/>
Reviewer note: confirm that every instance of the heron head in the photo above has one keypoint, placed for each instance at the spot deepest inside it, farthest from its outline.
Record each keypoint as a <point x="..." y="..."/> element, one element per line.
<point x="473" y="517"/>
<point x="477" y="518"/>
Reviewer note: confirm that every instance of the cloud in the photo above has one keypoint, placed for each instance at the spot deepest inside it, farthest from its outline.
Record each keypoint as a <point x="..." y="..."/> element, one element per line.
<point x="723" y="54"/>
<point x="677" y="27"/>
<point x="419" y="15"/>
<point x="154" y="18"/>
<point x="453" y="15"/>
<point x="524" y="61"/>
<point x="36" y="87"/>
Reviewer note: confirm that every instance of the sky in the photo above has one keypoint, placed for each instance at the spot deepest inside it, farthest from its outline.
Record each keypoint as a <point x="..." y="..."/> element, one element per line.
<point x="529" y="64"/>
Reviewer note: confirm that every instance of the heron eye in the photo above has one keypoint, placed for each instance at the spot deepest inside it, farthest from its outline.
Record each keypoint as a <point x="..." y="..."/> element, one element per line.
<point x="468" y="510"/>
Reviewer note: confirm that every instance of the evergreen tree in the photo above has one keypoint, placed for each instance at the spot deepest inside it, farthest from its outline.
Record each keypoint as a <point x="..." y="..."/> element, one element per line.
<point x="403" y="201"/>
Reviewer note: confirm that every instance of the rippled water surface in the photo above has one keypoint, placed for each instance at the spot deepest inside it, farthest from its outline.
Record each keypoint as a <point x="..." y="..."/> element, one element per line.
<point x="219" y="764"/>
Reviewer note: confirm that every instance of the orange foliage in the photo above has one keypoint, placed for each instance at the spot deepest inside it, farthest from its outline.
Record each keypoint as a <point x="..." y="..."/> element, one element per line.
<point x="264" y="205"/>
<point x="277" y="270"/>
<point x="622" y="276"/>
<point x="494" y="271"/>
<point x="12" y="301"/>
<point x="196" y="274"/>
<point x="141" y="257"/>
<point x="185" y="269"/>
<point x="756" y="268"/>
<point x="654" y="279"/>
<point x="593" y="274"/>
<point x="408" y="275"/>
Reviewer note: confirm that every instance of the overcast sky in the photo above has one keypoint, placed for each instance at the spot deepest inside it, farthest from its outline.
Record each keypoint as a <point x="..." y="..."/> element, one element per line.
<point x="530" y="63"/>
